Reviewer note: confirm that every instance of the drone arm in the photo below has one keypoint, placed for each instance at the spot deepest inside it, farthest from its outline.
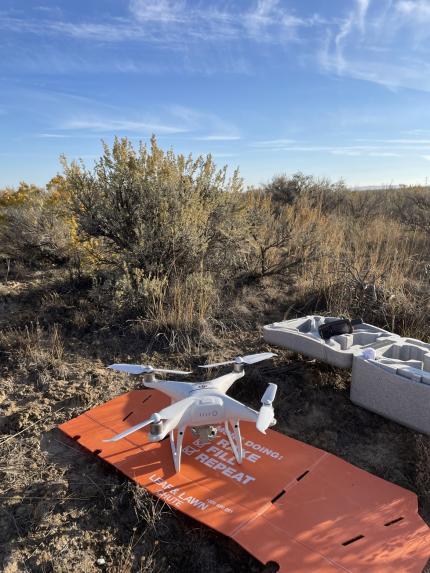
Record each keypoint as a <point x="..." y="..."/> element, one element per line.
<point x="223" y="383"/>
<point x="133" y="429"/>
<point x="237" y="411"/>
<point x="171" y="416"/>
<point x="175" y="412"/>
<point x="175" y="390"/>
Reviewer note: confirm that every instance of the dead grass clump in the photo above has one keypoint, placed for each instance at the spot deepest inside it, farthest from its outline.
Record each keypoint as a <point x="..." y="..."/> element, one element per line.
<point x="374" y="273"/>
<point x="34" y="347"/>
<point x="277" y="239"/>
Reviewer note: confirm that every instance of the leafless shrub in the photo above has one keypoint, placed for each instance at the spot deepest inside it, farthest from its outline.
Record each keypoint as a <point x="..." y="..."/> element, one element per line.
<point x="286" y="190"/>
<point x="413" y="208"/>
<point x="362" y="205"/>
<point x="276" y="240"/>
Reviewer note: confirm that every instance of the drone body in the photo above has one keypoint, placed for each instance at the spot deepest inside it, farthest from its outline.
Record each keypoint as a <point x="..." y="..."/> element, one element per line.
<point x="201" y="406"/>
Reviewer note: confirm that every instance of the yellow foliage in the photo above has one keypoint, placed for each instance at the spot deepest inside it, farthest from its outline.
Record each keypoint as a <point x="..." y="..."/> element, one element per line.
<point x="19" y="197"/>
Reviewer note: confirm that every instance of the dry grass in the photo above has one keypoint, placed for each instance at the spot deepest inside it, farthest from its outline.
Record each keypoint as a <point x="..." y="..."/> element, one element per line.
<point x="374" y="269"/>
<point x="62" y="509"/>
<point x="330" y="252"/>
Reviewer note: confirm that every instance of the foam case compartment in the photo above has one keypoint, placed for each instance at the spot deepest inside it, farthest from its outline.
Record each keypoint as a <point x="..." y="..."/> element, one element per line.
<point x="392" y="379"/>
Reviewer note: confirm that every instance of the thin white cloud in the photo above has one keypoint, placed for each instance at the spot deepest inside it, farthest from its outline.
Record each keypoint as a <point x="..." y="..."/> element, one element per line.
<point x="426" y="157"/>
<point x="120" y="125"/>
<point x="204" y="37"/>
<point x="175" y="22"/>
<point x="416" y="9"/>
<point x="348" y="152"/>
<point x="161" y="120"/>
<point x="272" y="143"/>
<point x="405" y="141"/>
<point x="383" y="154"/>
<point x="400" y="143"/>
<point x="223" y="155"/>
<point x="165" y="11"/>
<point x="362" y="7"/>
<point x="418" y="131"/>
<point x="262" y="21"/>
<point x="266" y="12"/>
<point x="205" y="125"/>
<point x="50" y="10"/>
<point x="51" y="135"/>
<point x="202" y="40"/>
<point x="345" y="150"/>
<point x="355" y="21"/>
<point x="379" y="41"/>
<point x="218" y="137"/>
<point x="383" y="42"/>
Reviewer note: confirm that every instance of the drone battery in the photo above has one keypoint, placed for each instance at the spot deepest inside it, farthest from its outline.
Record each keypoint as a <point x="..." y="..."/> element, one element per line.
<point x="337" y="327"/>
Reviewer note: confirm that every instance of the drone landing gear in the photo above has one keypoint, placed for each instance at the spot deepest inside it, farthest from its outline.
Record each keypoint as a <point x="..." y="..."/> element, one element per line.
<point x="235" y="440"/>
<point x="177" y="449"/>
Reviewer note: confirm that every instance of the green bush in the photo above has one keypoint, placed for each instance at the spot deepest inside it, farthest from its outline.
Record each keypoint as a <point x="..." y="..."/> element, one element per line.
<point x="166" y="232"/>
<point x="153" y="210"/>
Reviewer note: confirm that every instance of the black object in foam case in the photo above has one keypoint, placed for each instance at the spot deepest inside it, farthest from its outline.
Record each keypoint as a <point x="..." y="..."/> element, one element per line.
<point x="336" y="327"/>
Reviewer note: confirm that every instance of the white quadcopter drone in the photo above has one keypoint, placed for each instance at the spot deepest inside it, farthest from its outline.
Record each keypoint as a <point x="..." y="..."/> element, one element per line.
<point x="201" y="406"/>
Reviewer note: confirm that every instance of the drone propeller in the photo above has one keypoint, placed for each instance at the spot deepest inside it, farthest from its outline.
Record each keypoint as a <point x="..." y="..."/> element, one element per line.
<point x="248" y="359"/>
<point x="266" y="414"/>
<point x="174" y="411"/>
<point x="154" y="418"/>
<point x="143" y="369"/>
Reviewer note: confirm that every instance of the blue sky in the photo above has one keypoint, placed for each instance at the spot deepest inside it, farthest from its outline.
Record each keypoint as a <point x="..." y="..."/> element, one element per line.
<point x="337" y="88"/>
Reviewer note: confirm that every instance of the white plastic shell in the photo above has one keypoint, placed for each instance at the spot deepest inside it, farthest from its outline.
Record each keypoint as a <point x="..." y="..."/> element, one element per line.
<point x="390" y="374"/>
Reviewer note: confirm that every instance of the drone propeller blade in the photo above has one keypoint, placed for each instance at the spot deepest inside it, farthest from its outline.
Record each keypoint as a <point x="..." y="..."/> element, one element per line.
<point x="129" y="368"/>
<point x="175" y="410"/>
<point x="266" y="414"/>
<point x="175" y="372"/>
<point x="216" y="364"/>
<point x="254" y="358"/>
<point x="269" y="394"/>
<point x="153" y="418"/>
<point x="248" y="359"/>
<point x="144" y="369"/>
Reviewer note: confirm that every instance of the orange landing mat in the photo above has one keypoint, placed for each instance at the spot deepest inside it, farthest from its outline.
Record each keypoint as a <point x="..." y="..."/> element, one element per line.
<point x="288" y="502"/>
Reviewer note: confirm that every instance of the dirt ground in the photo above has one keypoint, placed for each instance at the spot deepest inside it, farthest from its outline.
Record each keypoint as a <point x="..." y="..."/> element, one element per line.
<point x="64" y="510"/>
